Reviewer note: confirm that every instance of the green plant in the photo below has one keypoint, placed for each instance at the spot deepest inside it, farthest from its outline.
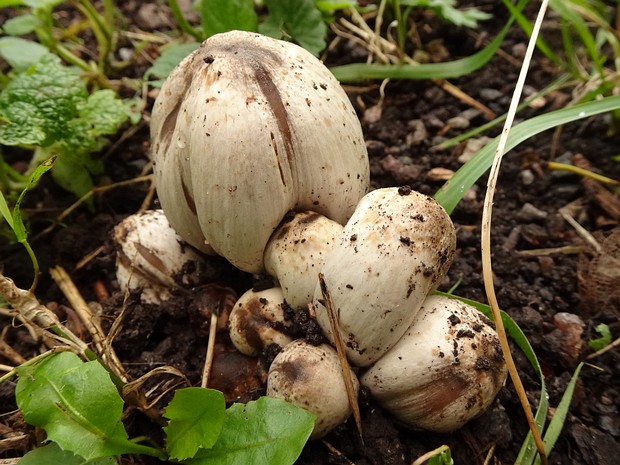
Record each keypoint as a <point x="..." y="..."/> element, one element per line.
<point x="80" y="409"/>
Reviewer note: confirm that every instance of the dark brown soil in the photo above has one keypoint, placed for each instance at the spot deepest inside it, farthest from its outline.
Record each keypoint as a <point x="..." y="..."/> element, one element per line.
<point x="536" y="287"/>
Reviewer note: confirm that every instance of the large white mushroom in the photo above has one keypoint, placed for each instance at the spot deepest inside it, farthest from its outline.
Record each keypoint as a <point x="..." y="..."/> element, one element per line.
<point x="245" y="129"/>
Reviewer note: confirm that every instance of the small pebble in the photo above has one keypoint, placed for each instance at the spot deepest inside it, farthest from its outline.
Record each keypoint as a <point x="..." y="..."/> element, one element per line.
<point x="529" y="213"/>
<point x="527" y="177"/>
<point x="490" y="94"/>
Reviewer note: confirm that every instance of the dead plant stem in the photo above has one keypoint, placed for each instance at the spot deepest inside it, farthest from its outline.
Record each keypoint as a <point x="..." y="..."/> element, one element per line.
<point x="487" y="270"/>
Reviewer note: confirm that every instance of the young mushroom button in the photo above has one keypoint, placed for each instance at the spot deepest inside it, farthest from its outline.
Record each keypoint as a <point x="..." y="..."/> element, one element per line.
<point x="394" y="250"/>
<point x="245" y="129"/>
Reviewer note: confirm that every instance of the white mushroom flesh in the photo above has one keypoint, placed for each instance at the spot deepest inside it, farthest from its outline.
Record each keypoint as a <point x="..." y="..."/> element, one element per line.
<point x="245" y="129"/>
<point x="394" y="250"/>
<point x="445" y="370"/>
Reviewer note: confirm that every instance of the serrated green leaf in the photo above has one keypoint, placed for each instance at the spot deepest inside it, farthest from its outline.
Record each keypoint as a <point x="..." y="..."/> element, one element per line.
<point x="103" y="112"/>
<point x="37" y="106"/>
<point x="265" y="432"/>
<point x="167" y="61"/>
<point x="21" y="25"/>
<point x="219" y="16"/>
<point x="299" y="19"/>
<point x="52" y="454"/>
<point x="196" y="418"/>
<point x="77" y="404"/>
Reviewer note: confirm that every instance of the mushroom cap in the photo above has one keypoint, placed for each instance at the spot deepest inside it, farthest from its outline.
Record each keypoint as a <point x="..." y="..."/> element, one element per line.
<point x="445" y="370"/>
<point x="394" y="250"/>
<point x="245" y="129"/>
<point x="310" y="377"/>
<point x="256" y="321"/>
<point x="151" y="256"/>
<point x="296" y="253"/>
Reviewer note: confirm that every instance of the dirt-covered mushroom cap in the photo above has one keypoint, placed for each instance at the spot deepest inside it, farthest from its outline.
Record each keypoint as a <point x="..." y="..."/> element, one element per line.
<point x="257" y="321"/>
<point x="311" y="377"/>
<point x="296" y="253"/>
<point x="445" y="370"/>
<point x="245" y="129"/>
<point x="152" y="257"/>
<point x="394" y="250"/>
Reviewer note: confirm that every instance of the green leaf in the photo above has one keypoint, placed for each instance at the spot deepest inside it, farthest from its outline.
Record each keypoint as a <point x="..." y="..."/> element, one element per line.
<point x="196" y="418"/>
<point x="77" y="404"/>
<point x="42" y="4"/>
<point x="37" y="106"/>
<point x="51" y="454"/>
<point x="71" y="173"/>
<point x="167" y="61"/>
<point x="103" y="112"/>
<point x="453" y="190"/>
<point x="299" y="19"/>
<point x="446" y="9"/>
<point x="604" y="340"/>
<point x="21" y="25"/>
<point x="18" y="223"/>
<point x="5" y="3"/>
<point x="5" y="211"/>
<point x="219" y="16"/>
<point x="265" y="432"/>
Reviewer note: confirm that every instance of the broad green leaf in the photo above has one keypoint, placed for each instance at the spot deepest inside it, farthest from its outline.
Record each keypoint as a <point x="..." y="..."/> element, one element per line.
<point x="445" y="9"/>
<point x="219" y="16"/>
<point x="451" y="69"/>
<point x="167" y="61"/>
<point x="51" y="454"/>
<point x="21" y="25"/>
<point x="453" y="190"/>
<point x="77" y="404"/>
<point x="301" y="20"/>
<point x="37" y="106"/>
<point x="265" y="432"/>
<point x="103" y="112"/>
<point x="196" y="418"/>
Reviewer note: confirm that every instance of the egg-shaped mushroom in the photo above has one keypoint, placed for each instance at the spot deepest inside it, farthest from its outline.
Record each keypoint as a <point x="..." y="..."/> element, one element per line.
<point x="311" y="377"/>
<point x="245" y="129"/>
<point x="445" y="370"/>
<point x="257" y="321"/>
<point x="394" y="250"/>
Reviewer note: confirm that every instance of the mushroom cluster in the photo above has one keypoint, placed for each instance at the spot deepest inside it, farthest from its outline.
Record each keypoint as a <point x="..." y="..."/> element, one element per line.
<point x="260" y="158"/>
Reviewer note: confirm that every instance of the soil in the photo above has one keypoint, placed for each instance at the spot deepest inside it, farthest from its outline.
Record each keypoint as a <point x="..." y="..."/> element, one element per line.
<point x="551" y="281"/>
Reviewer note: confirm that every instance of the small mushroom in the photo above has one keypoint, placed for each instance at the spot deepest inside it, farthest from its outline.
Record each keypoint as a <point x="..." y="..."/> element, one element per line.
<point x="394" y="250"/>
<point x="152" y="257"/>
<point x="257" y="321"/>
<point x="296" y="253"/>
<point x="245" y="129"/>
<point x="311" y="378"/>
<point x="445" y="370"/>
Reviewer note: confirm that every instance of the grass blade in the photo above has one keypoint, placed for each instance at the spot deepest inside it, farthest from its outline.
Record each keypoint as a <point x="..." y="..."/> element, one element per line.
<point x="452" y="69"/>
<point x="452" y="191"/>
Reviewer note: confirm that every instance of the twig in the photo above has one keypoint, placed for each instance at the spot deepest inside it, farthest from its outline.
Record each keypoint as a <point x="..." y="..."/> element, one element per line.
<point x="486" y="239"/>
<point x="344" y="363"/>
<point x="607" y="348"/>
<point x="206" y="369"/>
<point x="102" y="346"/>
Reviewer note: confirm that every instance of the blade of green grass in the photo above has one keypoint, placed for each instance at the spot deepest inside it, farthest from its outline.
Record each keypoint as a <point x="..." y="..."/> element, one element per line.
<point x="5" y="211"/>
<point x="451" y="69"/>
<point x="453" y="190"/>
<point x="557" y="422"/>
